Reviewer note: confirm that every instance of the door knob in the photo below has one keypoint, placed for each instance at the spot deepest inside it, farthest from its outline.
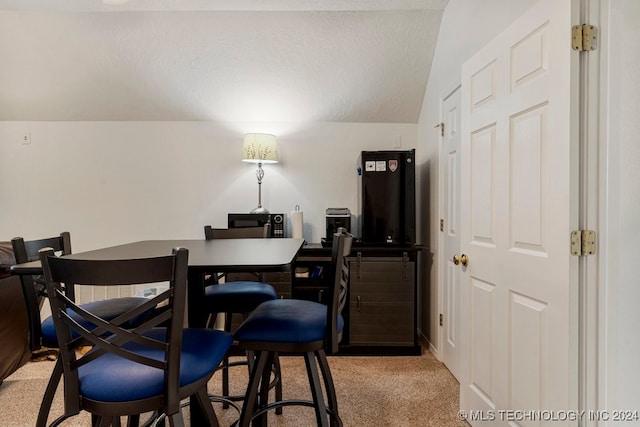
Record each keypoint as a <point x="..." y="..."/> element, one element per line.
<point x="460" y="259"/>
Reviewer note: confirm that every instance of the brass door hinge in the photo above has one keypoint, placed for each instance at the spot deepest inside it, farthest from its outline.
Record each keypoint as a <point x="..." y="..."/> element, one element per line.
<point x="583" y="242"/>
<point x="584" y="37"/>
<point x="441" y="320"/>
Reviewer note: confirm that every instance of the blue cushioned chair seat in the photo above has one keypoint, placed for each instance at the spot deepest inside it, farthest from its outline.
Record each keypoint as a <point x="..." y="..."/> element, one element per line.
<point x="106" y="309"/>
<point x="286" y="321"/>
<point x="238" y="297"/>
<point x="111" y="378"/>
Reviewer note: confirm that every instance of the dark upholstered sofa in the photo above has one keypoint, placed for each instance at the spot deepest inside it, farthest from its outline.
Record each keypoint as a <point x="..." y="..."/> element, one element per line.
<point x="14" y="339"/>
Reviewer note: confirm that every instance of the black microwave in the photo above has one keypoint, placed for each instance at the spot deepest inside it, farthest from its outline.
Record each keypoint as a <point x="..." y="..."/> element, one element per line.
<point x="240" y="220"/>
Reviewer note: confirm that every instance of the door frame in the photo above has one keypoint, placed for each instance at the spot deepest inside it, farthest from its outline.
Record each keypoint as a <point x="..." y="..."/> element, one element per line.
<point x="593" y="312"/>
<point x="585" y="389"/>
<point x="441" y="263"/>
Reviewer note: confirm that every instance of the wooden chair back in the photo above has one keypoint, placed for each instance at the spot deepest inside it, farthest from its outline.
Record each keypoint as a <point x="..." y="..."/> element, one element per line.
<point x="33" y="287"/>
<point x="340" y="249"/>
<point x="111" y="336"/>
<point x="211" y="233"/>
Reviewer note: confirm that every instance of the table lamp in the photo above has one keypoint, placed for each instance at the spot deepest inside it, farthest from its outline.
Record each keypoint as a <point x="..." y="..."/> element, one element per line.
<point x="259" y="148"/>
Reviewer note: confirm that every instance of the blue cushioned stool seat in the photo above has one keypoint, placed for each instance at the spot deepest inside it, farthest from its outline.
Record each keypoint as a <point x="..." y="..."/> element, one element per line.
<point x="297" y="327"/>
<point x="150" y="368"/>
<point x="286" y="321"/>
<point x="111" y="378"/>
<point x="238" y="296"/>
<point x="110" y="311"/>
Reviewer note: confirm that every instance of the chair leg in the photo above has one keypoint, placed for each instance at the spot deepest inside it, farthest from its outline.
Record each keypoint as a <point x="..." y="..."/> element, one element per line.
<point x="265" y="386"/>
<point x="332" y="399"/>
<point x="251" y="395"/>
<point x="205" y="404"/>
<point x="49" y="394"/>
<point x="251" y="357"/>
<point x="228" y="317"/>
<point x="224" y="367"/>
<point x="316" y="389"/>
<point x="278" y="374"/>
<point x="133" y="421"/>
<point x="176" y="420"/>
<point x="277" y="371"/>
<point x="225" y="380"/>
<point x="104" y="421"/>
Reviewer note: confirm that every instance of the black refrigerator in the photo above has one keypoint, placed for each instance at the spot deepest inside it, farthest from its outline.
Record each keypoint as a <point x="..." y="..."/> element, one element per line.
<point x="387" y="201"/>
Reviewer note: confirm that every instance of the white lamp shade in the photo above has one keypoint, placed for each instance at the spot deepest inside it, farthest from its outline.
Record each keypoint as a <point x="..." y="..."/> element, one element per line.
<point x="259" y="148"/>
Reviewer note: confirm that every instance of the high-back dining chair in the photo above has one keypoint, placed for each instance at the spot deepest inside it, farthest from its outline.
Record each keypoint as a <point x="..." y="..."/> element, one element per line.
<point x="237" y="297"/>
<point x="33" y="287"/>
<point x="292" y="326"/>
<point x="130" y="371"/>
<point x="42" y="332"/>
<point x="211" y="233"/>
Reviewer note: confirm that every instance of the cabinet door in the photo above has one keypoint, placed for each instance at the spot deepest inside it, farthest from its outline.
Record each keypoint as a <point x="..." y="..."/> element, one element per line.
<point x="312" y="277"/>
<point x="281" y="281"/>
<point x="382" y="302"/>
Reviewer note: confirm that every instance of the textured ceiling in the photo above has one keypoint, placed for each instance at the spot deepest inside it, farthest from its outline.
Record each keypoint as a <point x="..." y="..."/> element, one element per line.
<point x="288" y="60"/>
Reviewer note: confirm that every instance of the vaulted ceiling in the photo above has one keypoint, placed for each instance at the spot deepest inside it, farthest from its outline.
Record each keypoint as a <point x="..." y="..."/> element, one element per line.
<point x="220" y="60"/>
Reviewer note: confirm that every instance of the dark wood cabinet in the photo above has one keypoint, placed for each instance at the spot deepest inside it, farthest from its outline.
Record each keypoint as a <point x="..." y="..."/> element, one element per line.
<point x="312" y="275"/>
<point x="280" y="280"/>
<point x="382" y="301"/>
<point x="380" y="316"/>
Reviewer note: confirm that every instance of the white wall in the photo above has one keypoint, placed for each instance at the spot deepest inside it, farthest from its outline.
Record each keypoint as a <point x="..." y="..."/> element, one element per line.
<point x="466" y="26"/>
<point x="620" y="207"/>
<point x="114" y="182"/>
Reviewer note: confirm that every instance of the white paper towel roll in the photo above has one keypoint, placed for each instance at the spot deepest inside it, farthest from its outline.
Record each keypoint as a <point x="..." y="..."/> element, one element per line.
<point x="296" y="223"/>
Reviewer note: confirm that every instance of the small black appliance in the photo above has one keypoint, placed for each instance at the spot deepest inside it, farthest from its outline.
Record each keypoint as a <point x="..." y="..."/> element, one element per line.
<point x="239" y="220"/>
<point x="336" y="218"/>
<point x="387" y="185"/>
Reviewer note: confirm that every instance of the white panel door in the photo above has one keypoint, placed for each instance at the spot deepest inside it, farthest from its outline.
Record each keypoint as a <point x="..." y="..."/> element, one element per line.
<point x="519" y="204"/>
<point x="450" y="164"/>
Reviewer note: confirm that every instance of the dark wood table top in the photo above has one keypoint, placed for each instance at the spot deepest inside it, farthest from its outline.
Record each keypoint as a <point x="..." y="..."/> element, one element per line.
<point x="222" y="255"/>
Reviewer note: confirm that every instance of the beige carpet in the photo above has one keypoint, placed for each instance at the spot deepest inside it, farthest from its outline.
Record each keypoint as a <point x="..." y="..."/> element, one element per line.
<point x="372" y="391"/>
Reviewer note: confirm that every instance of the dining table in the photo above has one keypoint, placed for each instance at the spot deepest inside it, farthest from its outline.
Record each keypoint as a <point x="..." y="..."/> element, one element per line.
<point x="205" y="257"/>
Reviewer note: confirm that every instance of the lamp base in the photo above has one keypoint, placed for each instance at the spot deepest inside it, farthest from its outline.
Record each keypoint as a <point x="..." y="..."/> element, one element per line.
<point x="260" y="210"/>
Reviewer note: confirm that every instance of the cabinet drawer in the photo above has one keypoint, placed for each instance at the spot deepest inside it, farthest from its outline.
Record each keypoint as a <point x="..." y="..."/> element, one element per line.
<point x="277" y="277"/>
<point x="374" y="291"/>
<point x="382" y="295"/>
<point x="241" y="277"/>
<point x="381" y="324"/>
<point x="382" y="281"/>
<point x="283" y="289"/>
<point x="281" y="281"/>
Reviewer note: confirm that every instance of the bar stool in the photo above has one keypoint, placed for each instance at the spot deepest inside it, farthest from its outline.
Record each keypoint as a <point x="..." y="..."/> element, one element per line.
<point x="237" y="297"/>
<point x="297" y="327"/>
